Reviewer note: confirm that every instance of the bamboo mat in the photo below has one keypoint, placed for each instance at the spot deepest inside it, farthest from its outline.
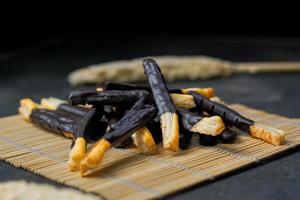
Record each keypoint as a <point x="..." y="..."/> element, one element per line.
<point x="126" y="174"/>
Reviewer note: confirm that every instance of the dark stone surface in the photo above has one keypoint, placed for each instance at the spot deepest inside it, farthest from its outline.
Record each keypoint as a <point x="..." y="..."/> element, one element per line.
<point x="40" y="70"/>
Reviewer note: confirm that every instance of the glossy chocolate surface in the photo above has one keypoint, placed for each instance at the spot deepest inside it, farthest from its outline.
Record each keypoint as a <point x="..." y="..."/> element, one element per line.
<point x="76" y="110"/>
<point x="138" y="116"/>
<point x="87" y="128"/>
<point x="229" y="116"/>
<point x="187" y="118"/>
<point x="111" y="97"/>
<point x="158" y="87"/>
<point x="55" y="121"/>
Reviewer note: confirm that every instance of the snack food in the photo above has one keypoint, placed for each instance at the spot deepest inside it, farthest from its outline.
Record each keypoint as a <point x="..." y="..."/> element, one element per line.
<point x="121" y="114"/>
<point x="137" y="117"/>
<point x="164" y="104"/>
<point x="232" y="118"/>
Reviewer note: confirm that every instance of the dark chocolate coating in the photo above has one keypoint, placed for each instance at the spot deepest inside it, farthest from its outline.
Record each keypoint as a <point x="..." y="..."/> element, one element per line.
<point x="77" y="96"/>
<point x="125" y="144"/>
<point x="76" y="110"/>
<point x="109" y="111"/>
<point x="55" y="121"/>
<point x="112" y="121"/>
<point x="196" y="110"/>
<point x="158" y="87"/>
<point x="138" y="116"/>
<point x="112" y="116"/>
<point x="155" y="130"/>
<point x="97" y="126"/>
<point x="111" y="97"/>
<point x="184" y="138"/>
<point x="229" y="116"/>
<point x="177" y="91"/>
<point x="207" y="140"/>
<point x="227" y="136"/>
<point x="187" y="118"/>
<point x="58" y="121"/>
<point x="87" y="123"/>
<point x="112" y="112"/>
<point x="114" y="85"/>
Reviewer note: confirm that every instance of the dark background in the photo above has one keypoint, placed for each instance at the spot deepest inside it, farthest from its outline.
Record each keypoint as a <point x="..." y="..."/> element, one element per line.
<point x="36" y="63"/>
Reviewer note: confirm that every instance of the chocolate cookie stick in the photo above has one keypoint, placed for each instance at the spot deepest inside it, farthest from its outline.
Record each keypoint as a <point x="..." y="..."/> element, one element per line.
<point x="232" y="118"/>
<point x="78" y="150"/>
<point x="55" y="121"/>
<point x="137" y="117"/>
<point x="164" y="104"/>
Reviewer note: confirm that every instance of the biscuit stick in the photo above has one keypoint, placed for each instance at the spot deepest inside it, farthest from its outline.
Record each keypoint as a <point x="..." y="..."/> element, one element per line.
<point x="164" y="104"/>
<point x="137" y="117"/>
<point x="232" y="118"/>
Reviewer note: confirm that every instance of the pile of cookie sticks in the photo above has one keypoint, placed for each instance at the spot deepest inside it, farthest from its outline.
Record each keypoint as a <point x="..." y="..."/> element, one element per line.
<point x="123" y="114"/>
